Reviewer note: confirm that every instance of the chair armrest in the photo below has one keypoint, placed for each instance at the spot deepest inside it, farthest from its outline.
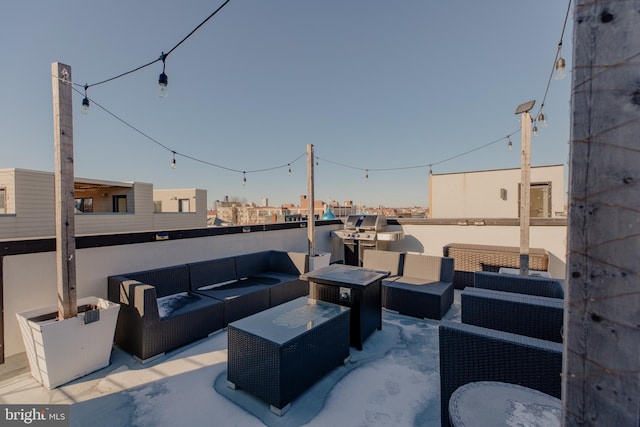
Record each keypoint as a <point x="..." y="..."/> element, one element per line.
<point x="540" y="286"/>
<point x="533" y="316"/>
<point x="471" y="353"/>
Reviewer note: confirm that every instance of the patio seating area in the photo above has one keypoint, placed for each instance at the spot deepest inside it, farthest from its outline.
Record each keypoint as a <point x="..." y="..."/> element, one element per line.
<point x="404" y="375"/>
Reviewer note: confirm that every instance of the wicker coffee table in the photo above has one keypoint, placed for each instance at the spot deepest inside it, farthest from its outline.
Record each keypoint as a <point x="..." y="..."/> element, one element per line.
<point x="279" y="353"/>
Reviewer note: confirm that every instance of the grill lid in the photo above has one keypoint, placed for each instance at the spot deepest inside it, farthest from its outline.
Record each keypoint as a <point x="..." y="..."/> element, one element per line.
<point x="366" y="222"/>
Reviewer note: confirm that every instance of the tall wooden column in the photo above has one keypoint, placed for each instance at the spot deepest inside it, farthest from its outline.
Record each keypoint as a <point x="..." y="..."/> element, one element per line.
<point x="525" y="192"/>
<point x="64" y="196"/>
<point x="311" y="222"/>
<point x="601" y="368"/>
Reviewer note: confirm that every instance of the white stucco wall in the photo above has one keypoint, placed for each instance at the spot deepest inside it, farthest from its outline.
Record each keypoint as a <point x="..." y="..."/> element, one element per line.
<point x="477" y="194"/>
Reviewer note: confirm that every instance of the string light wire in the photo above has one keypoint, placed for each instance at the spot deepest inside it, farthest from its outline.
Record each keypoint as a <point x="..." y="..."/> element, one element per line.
<point x="163" y="56"/>
<point x="186" y="156"/>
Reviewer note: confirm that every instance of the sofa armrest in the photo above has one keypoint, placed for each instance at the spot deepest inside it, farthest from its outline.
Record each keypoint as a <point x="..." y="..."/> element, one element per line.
<point x="533" y="316"/>
<point x="134" y="295"/>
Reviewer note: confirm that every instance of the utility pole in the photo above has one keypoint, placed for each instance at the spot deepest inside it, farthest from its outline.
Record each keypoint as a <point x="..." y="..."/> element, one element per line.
<point x="525" y="184"/>
<point x="311" y="219"/>
<point x="601" y="363"/>
<point x="64" y="190"/>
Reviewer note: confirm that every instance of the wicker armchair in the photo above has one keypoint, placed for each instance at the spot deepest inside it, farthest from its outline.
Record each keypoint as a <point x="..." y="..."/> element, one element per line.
<point x="540" y="286"/>
<point x="471" y="353"/>
<point x="530" y="315"/>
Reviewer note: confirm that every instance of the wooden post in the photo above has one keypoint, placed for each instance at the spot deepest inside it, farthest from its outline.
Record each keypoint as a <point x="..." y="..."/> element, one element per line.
<point x="525" y="192"/>
<point x="311" y="222"/>
<point x="64" y="195"/>
<point x="601" y="366"/>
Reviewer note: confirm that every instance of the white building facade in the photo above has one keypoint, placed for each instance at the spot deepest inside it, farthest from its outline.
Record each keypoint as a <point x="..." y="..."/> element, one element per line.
<point x="496" y="193"/>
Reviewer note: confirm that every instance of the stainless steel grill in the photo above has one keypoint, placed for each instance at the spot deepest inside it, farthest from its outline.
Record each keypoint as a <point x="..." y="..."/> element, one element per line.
<point x="364" y="232"/>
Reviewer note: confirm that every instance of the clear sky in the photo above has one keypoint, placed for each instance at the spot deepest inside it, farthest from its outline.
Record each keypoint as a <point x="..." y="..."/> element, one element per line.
<point x="371" y="84"/>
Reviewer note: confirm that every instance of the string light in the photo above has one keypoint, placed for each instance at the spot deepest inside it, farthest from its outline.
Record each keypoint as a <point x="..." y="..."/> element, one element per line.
<point x="560" y="65"/>
<point x="85" y="102"/>
<point x="244" y="178"/>
<point x="163" y="80"/>
<point x="534" y="130"/>
<point x="542" y="120"/>
<point x="289" y="164"/>
<point x="173" y="161"/>
<point x="366" y="176"/>
<point x="509" y="144"/>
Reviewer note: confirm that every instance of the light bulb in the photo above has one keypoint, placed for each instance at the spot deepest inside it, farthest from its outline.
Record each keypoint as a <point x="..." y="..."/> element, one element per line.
<point x="244" y="179"/>
<point x="289" y="170"/>
<point x="542" y="120"/>
<point x="173" y="160"/>
<point x="534" y="130"/>
<point x="510" y="145"/>
<point x="163" y="81"/>
<point x="560" y="73"/>
<point x="366" y="176"/>
<point x="85" y="106"/>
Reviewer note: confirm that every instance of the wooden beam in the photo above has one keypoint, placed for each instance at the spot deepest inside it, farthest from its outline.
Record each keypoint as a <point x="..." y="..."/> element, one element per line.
<point x="601" y="367"/>
<point x="311" y="222"/>
<point x="64" y="196"/>
<point x="525" y="191"/>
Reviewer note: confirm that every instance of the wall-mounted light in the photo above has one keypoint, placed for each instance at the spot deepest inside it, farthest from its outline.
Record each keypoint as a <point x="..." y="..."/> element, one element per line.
<point x="503" y="193"/>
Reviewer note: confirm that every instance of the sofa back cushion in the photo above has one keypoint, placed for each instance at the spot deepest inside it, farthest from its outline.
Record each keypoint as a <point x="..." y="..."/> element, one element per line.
<point x="250" y="265"/>
<point x="438" y="269"/>
<point x="167" y="280"/>
<point x="382" y="260"/>
<point x="205" y="273"/>
<point x="293" y="263"/>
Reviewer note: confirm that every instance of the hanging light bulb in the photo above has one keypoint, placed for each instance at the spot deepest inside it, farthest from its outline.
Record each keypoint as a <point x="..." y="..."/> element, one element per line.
<point x="559" y="72"/>
<point x="289" y="164"/>
<point x="534" y="130"/>
<point x="85" y="102"/>
<point x="430" y="171"/>
<point x="244" y="179"/>
<point x="173" y="161"/>
<point x="366" y="176"/>
<point x="163" y="80"/>
<point x="509" y="144"/>
<point x="542" y="120"/>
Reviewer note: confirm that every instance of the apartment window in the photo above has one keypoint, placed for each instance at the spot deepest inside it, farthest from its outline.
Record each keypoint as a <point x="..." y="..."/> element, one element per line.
<point x="84" y="205"/>
<point x="3" y="203"/>
<point x="540" y="204"/>
<point x="157" y="206"/>
<point x="120" y="203"/>
<point x="183" y="205"/>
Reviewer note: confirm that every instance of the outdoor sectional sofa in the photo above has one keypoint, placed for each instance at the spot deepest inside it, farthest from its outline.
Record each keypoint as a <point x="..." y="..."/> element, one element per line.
<point x="165" y="308"/>
<point x="418" y="285"/>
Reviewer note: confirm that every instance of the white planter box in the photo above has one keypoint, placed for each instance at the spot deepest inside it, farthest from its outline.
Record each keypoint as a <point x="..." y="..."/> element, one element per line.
<point x="320" y="260"/>
<point x="61" y="351"/>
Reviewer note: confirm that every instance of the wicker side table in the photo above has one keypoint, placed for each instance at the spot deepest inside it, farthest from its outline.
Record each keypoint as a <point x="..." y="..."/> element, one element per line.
<point x="279" y="353"/>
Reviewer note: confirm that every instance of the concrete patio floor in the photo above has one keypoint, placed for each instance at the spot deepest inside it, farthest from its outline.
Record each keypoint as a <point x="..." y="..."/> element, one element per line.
<point x="393" y="381"/>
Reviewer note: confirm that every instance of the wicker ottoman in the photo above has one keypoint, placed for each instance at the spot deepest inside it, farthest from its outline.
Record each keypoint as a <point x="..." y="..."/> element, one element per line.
<point x="279" y="353"/>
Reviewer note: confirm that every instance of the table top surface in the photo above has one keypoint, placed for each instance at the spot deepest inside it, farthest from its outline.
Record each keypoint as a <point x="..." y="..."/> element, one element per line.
<point x="491" y="403"/>
<point x="284" y="322"/>
<point x="345" y="275"/>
